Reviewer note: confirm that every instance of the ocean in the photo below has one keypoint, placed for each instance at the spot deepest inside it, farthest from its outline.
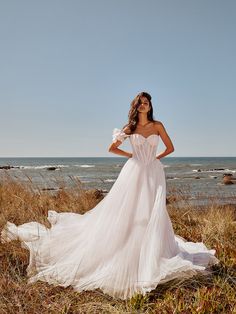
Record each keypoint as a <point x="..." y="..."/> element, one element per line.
<point x="198" y="178"/>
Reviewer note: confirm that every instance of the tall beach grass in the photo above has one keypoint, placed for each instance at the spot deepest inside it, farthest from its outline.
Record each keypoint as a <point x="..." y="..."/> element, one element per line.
<point x="214" y="224"/>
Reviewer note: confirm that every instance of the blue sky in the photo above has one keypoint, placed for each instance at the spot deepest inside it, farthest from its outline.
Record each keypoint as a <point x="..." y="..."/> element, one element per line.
<point x="69" y="70"/>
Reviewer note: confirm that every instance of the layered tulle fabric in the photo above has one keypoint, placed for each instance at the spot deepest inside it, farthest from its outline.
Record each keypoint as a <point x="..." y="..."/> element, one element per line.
<point x="125" y="244"/>
<point x="118" y="135"/>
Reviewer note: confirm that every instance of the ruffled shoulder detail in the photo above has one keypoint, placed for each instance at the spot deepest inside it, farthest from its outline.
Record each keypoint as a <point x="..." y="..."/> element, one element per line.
<point x="118" y="134"/>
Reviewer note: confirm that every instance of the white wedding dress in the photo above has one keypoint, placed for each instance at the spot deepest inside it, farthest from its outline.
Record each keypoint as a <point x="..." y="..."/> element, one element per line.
<point x="124" y="245"/>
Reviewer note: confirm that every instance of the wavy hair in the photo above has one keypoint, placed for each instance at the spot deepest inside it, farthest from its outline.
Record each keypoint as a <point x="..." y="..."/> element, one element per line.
<point x="133" y="112"/>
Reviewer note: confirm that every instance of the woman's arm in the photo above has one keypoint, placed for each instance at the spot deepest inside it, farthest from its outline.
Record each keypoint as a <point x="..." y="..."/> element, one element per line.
<point x="166" y="140"/>
<point x="113" y="148"/>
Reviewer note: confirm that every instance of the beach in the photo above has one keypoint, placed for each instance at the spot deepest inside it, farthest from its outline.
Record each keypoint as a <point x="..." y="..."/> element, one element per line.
<point x="213" y="224"/>
<point x="200" y="179"/>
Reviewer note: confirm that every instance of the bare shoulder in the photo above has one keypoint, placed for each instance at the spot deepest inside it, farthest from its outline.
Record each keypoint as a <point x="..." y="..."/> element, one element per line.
<point x="127" y="130"/>
<point x="159" y="127"/>
<point x="157" y="122"/>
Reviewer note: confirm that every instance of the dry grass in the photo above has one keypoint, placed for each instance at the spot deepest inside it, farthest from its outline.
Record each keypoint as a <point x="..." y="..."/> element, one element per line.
<point x="214" y="225"/>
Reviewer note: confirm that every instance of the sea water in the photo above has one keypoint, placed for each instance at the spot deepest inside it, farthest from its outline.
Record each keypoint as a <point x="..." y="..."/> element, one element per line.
<point x="198" y="178"/>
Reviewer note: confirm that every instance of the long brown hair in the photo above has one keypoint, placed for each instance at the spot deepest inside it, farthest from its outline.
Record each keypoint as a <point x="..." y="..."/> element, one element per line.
<point x="133" y="112"/>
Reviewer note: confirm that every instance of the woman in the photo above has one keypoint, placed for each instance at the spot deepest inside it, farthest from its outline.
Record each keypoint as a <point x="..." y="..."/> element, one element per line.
<point x="126" y="243"/>
<point x="141" y="121"/>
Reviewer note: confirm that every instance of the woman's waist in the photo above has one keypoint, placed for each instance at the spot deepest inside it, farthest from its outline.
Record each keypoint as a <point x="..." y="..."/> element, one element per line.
<point x="145" y="159"/>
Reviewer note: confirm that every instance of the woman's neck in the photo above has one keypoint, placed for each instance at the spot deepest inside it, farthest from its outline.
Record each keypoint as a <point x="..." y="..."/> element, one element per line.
<point x="143" y="120"/>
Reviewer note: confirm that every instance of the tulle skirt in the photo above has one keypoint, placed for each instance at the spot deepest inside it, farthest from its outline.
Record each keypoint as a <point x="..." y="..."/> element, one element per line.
<point x="124" y="245"/>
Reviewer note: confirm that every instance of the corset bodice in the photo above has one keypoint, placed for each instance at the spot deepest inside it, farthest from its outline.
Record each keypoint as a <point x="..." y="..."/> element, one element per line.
<point x="144" y="148"/>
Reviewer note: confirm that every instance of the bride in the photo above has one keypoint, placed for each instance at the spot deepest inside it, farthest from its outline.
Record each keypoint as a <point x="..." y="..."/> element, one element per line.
<point x="126" y="243"/>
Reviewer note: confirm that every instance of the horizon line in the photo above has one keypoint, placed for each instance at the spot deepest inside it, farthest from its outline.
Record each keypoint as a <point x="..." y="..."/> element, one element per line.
<point x="113" y="157"/>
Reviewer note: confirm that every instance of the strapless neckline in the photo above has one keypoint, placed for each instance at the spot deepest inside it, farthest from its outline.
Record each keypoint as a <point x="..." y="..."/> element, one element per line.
<point x="144" y="136"/>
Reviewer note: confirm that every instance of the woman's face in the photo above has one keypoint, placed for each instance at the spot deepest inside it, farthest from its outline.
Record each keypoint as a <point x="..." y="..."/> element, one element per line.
<point x="144" y="106"/>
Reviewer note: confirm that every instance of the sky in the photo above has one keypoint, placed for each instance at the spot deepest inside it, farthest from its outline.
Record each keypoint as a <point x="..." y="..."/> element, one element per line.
<point x="70" y="69"/>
